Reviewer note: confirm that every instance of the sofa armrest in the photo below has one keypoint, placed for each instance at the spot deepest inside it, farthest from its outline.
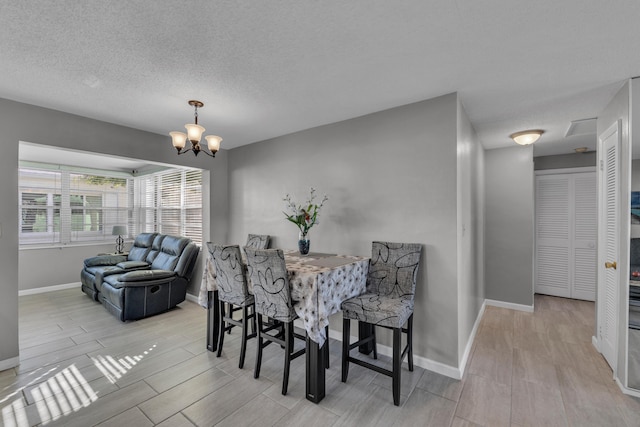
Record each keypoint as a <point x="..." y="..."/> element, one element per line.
<point x="104" y="260"/>
<point x="136" y="276"/>
<point x="133" y="265"/>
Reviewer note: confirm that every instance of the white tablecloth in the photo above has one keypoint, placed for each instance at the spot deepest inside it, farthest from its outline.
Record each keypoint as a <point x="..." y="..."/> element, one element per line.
<point x="319" y="283"/>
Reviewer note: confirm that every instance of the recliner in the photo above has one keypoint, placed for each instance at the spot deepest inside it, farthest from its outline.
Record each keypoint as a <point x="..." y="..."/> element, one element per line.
<point x="98" y="267"/>
<point x="152" y="279"/>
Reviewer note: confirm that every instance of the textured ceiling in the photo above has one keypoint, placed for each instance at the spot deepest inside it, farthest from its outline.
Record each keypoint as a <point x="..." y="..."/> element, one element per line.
<point x="265" y="69"/>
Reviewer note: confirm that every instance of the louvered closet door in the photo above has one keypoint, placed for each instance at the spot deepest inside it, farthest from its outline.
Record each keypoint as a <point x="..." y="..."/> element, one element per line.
<point x="585" y="229"/>
<point x="552" y="235"/>
<point x="566" y="232"/>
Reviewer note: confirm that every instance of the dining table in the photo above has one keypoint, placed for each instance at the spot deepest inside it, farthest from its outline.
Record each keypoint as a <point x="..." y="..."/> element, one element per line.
<point x="319" y="283"/>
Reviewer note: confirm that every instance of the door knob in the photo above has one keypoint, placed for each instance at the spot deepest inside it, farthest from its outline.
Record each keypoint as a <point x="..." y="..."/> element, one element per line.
<point x="613" y="265"/>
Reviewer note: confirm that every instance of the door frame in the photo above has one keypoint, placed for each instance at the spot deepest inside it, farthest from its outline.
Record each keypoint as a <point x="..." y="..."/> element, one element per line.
<point x="615" y="127"/>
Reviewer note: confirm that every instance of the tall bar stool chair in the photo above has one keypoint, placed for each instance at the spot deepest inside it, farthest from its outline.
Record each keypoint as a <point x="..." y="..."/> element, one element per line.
<point x="257" y="241"/>
<point x="270" y="282"/>
<point x="233" y="291"/>
<point x="388" y="303"/>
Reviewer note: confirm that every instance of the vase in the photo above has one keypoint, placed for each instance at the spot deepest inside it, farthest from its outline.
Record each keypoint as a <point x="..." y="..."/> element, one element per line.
<point x="304" y="243"/>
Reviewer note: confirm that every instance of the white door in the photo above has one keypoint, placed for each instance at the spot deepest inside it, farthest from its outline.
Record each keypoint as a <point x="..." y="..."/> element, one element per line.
<point x="609" y="142"/>
<point x="566" y="234"/>
<point x="585" y="236"/>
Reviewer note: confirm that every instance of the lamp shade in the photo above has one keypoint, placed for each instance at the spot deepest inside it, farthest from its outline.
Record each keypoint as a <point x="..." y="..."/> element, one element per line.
<point x="194" y="132"/>
<point x="178" y="139"/>
<point x="119" y="230"/>
<point x="213" y="142"/>
<point x="526" y="137"/>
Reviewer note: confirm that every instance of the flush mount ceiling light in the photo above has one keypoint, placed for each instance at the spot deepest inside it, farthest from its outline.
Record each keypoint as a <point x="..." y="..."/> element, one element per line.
<point x="194" y="134"/>
<point x="526" y="137"/>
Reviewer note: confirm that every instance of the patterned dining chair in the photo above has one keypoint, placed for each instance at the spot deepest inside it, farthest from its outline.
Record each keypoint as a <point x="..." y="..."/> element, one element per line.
<point x="268" y="275"/>
<point x="233" y="291"/>
<point x="388" y="303"/>
<point x="258" y="241"/>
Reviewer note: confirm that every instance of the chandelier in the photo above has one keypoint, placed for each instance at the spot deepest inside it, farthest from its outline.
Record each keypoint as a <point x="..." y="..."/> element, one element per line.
<point x="194" y="134"/>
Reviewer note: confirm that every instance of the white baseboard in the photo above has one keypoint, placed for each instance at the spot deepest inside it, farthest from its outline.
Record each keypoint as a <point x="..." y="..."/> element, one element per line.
<point x="420" y="361"/>
<point x="510" y="305"/>
<point x="192" y="298"/>
<point x="49" y="289"/>
<point x="595" y="343"/>
<point x="625" y="390"/>
<point x="9" y="363"/>
<point x="470" y="341"/>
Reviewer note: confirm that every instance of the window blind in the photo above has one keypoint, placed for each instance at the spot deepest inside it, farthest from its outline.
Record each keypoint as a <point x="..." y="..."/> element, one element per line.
<point x="169" y="202"/>
<point x="60" y="207"/>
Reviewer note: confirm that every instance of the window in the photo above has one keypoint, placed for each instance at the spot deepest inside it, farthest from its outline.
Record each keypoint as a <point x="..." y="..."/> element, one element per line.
<point x="170" y="202"/>
<point x="61" y="207"/>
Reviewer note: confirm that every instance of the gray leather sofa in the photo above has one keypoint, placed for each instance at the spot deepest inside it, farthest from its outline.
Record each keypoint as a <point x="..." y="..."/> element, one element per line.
<point x="151" y="279"/>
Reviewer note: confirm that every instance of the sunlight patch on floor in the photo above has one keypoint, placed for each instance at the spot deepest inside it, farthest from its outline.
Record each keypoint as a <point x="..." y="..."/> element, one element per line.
<point x="66" y="392"/>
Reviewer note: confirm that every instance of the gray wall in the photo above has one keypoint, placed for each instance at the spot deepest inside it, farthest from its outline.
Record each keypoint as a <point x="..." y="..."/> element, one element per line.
<point x="390" y="176"/>
<point x="470" y="182"/>
<point x="509" y="224"/>
<point x="23" y="122"/>
<point x="42" y="267"/>
<point x="563" y="161"/>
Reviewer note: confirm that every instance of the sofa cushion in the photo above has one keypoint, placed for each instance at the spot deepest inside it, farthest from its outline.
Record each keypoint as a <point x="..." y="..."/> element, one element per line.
<point x="171" y="249"/>
<point x="104" y="270"/>
<point x="141" y="246"/>
<point x="98" y="273"/>
<point x="156" y="247"/>
<point x="187" y="260"/>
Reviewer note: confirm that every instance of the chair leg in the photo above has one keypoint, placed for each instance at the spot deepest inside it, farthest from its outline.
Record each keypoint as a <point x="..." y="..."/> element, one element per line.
<point x="375" y="345"/>
<point x="230" y="315"/>
<point x="256" y="371"/>
<point x="245" y="330"/>
<point x="346" y="333"/>
<point x="397" y="364"/>
<point x="410" y="342"/>
<point x="253" y="322"/>
<point x="326" y="348"/>
<point x="288" y="349"/>
<point x="222" y="328"/>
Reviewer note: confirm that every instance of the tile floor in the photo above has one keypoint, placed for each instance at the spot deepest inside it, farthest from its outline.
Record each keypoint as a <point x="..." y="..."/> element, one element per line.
<point x="79" y="366"/>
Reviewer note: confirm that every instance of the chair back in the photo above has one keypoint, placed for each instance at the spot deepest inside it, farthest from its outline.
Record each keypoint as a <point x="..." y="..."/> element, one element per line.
<point x="258" y="241"/>
<point x="230" y="274"/>
<point x="268" y="275"/>
<point x="393" y="269"/>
